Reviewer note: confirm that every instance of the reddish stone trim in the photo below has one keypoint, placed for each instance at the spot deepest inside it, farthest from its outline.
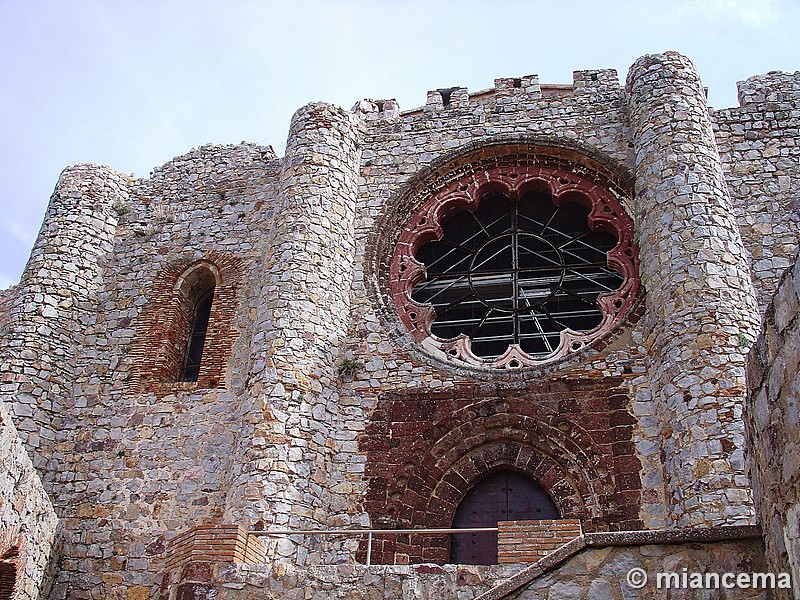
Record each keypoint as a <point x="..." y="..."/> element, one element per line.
<point x="159" y="350"/>
<point x="12" y="562"/>
<point x="512" y="179"/>
<point x="425" y="450"/>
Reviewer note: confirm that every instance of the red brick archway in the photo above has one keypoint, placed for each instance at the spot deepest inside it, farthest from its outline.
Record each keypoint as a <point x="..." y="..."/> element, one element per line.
<point x="426" y="450"/>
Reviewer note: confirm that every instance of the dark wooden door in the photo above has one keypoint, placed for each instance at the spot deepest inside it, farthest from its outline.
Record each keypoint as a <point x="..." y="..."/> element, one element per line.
<point x="502" y="496"/>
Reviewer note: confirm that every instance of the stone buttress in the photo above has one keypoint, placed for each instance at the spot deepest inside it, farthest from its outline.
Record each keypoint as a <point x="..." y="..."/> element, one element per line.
<point x="700" y="299"/>
<point x="303" y="321"/>
<point x="56" y="302"/>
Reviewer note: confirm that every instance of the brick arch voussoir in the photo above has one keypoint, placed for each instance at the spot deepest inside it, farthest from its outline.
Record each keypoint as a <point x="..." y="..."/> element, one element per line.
<point x="13" y="557"/>
<point x="569" y="493"/>
<point x="443" y="471"/>
<point x="480" y="422"/>
<point x="562" y="433"/>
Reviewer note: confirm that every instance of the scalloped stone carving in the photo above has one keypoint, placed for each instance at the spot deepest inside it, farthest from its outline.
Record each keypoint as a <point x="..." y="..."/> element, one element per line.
<point x="606" y="214"/>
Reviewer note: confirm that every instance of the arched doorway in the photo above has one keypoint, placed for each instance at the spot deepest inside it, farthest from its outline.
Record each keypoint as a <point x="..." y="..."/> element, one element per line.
<point x="502" y="496"/>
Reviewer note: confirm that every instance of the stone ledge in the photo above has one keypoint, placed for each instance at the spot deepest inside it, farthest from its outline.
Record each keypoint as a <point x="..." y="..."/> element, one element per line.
<point x="618" y="538"/>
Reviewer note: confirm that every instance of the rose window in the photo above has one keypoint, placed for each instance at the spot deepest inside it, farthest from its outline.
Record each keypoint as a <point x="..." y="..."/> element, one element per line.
<point x="516" y="267"/>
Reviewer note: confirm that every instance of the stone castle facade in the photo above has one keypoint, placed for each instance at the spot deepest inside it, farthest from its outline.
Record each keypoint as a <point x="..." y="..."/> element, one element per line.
<point x="243" y="342"/>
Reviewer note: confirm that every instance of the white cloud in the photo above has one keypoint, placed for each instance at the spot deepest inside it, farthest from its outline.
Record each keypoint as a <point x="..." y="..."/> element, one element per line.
<point x="7" y="282"/>
<point x="18" y="232"/>
<point x="757" y="14"/>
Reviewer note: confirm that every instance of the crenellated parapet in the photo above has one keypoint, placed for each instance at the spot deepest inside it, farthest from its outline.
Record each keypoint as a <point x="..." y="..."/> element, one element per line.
<point x="770" y="91"/>
<point x="759" y="144"/>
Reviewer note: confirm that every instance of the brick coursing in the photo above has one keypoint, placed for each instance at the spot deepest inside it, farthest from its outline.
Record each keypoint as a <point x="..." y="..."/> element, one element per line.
<point x="216" y="543"/>
<point x="529" y="541"/>
<point x="12" y="562"/>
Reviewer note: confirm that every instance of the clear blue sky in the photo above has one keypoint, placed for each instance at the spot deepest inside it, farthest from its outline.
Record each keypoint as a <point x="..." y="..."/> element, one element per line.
<point x="132" y="84"/>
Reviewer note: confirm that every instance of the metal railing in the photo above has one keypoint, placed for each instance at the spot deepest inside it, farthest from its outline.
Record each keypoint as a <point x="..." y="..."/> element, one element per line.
<point x="369" y="533"/>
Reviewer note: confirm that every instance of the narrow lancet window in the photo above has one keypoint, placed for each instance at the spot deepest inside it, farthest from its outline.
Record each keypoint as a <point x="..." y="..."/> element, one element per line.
<point x="194" y="324"/>
<point x="197" y="336"/>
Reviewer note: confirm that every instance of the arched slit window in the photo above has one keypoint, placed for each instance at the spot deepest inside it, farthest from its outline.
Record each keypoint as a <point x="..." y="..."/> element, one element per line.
<point x="197" y="337"/>
<point x="197" y="288"/>
<point x="184" y="335"/>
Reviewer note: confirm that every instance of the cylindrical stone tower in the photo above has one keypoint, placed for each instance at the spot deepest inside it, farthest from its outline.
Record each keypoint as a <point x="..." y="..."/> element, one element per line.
<point x="56" y="302"/>
<point x="700" y="299"/>
<point x="302" y="325"/>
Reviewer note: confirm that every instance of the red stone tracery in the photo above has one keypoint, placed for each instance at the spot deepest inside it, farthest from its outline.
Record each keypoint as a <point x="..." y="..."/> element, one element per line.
<point x="513" y="180"/>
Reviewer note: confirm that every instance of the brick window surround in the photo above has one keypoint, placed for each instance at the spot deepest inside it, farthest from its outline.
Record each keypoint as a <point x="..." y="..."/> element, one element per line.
<point x="12" y="564"/>
<point x="165" y="324"/>
<point x="426" y="449"/>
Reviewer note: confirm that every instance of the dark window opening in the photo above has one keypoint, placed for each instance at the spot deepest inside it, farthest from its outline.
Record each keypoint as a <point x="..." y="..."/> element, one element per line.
<point x="502" y="496"/>
<point x="446" y="93"/>
<point x="516" y="272"/>
<point x="197" y="336"/>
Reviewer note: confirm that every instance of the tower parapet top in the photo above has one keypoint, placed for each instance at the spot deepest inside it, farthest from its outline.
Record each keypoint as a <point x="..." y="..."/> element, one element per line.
<point x="773" y="87"/>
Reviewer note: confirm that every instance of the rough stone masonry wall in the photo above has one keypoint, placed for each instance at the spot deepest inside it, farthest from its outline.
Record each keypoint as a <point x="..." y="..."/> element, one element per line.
<point x="7" y="298"/>
<point x="55" y="298"/>
<point x="759" y="144"/>
<point x="772" y="424"/>
<point x="134" y="467"/>
<point x="601" y="572"/>
<point x="28" y="522"/>
<point x="701" y="304"/>
<point x="210" y="581"/>
<point x="597" y="573"/>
